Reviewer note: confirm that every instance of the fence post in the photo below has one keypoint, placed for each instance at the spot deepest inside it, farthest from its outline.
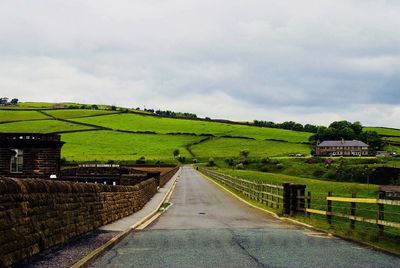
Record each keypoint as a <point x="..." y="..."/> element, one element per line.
<point x="286" y="198"/>
<point x="353" y="211"/>
<point x="298" y="198"/>
<point x="381" y="213"/>
<point x="308" y="203"/>
<point x="329" y="210"/>
<point x="271" y="192"/>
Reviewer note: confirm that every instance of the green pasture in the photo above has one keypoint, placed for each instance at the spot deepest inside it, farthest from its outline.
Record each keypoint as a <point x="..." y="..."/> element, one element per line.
<point x="136" y="122"/>
<point x="76" y="113"/>
<point x="384" y="131"/>
<point x="116" y="146"/>
<point x="228" y="147"/>
<point x="316" y="187"/>
<point x="40" y="126"/>
<point x="14" y="115"/>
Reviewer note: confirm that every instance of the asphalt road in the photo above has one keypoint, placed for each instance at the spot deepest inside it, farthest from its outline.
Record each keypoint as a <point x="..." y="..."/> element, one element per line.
<point x="207" y="227"/>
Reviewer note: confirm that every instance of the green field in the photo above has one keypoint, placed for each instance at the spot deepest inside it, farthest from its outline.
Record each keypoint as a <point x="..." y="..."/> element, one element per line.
<point x="136" y="122"/>
<point x="228" y="147"/>
<point x="12" y="115"/>
<point x="68" y="114"/>
<point x="317" y="187"/>
<point x="115" y="146"/>
<point x="385" y="131"/>
<point x="40" y="126"/>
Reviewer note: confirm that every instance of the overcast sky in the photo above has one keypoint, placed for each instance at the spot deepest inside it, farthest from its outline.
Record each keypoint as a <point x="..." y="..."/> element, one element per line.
<point x="307" y="61"/>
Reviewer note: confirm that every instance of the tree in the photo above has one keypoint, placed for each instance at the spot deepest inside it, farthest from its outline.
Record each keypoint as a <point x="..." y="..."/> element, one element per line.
<point x="14" y="101"/>
<point x="373" y="139"/>
<point x="113" y="108"/>
<point x="176" y="152"/>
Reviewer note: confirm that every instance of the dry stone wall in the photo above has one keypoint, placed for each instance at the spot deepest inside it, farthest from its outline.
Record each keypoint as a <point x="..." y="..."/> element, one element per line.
<point x="37" y="214"/>
<point x="165" y="177"/>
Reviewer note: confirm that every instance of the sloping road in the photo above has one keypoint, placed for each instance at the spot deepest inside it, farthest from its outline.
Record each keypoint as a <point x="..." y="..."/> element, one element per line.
<point x="206" y="227"/>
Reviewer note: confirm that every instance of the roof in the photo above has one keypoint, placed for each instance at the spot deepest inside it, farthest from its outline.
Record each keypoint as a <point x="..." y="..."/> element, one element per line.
<point x="342" y="143"/>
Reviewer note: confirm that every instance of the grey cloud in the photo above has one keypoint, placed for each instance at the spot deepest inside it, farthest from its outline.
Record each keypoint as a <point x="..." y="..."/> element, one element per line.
<point x="289" y="60"/>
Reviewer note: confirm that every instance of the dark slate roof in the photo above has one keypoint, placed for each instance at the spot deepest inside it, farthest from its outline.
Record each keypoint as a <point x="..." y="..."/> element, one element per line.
<point x="342" y="143"/>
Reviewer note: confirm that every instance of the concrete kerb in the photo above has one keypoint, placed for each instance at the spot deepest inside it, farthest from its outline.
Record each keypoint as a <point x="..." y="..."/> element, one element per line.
<point x="365" y="244"/>
<point x="93" y="255"/>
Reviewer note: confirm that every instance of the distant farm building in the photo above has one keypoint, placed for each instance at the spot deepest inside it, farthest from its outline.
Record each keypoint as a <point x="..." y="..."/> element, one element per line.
<point x="342" y="148"/>
<point x="3" y="101"/>
<point x="27" y="155"/>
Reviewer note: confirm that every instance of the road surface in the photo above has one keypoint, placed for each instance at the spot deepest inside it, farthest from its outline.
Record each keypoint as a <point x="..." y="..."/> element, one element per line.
<point x="207" y="227"/>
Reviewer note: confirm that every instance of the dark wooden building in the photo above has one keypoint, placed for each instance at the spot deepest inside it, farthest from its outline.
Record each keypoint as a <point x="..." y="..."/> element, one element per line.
<point x="28" y="155"/>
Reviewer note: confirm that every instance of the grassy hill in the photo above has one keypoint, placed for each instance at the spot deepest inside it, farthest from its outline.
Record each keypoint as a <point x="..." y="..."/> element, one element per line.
<point x="391" y="136"/>
<point x="104" y="135"/>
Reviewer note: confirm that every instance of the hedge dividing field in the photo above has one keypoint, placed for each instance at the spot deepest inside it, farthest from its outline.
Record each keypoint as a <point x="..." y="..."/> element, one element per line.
<point x="136" y="122"/>
<point x="228" y="147"/>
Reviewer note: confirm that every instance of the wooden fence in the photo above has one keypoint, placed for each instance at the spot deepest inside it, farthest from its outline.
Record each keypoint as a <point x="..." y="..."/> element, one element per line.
<point x="269" y="194"/>
<point x="292" y="199"/>
<point x="374" y="213"/>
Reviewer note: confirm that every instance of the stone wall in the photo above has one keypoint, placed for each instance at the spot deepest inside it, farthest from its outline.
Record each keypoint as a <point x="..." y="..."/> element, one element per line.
<point x="165" y="177"/>
<point x="37" y="214"/>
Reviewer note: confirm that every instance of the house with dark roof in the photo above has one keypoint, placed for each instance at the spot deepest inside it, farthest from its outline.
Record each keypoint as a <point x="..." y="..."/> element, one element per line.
<point x="342" y="148"/>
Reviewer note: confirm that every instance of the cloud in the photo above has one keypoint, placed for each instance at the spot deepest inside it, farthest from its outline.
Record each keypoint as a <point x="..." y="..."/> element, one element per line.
<point x="309" y="61"/>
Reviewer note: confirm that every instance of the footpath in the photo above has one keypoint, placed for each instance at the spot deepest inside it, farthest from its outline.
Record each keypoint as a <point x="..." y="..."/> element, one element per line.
<point x="78" y="251"/>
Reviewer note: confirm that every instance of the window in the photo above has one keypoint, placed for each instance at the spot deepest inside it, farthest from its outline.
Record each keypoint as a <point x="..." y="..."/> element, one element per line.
<point x="17" y="161"/>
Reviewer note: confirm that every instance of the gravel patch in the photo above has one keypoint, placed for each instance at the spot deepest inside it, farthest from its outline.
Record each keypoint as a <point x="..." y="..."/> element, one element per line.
<point x="67" y="254"/>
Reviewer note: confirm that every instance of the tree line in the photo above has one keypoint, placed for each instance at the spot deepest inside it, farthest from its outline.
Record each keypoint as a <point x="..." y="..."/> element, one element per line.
<point x="289" y="125"/>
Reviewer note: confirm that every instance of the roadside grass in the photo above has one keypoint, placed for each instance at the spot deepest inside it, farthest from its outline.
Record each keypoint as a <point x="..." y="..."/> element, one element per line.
<point x="137" y="122"/>
<point x="76" y="113"/>
<point x="41" y="126"/>
<point x="317" y="187"/>
<point x="13" y="115"/>
<point x="116" y="146"/>
<point x="363" y="232"/>
<point x="228" y="147"/>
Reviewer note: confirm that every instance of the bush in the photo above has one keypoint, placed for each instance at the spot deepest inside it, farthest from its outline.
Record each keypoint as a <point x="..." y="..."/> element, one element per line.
<point x="265" y="160"/>
<point x="141" y="160"/>
<point x="194" y="161"/>
<point x="176" y="152"/>
<point x="229" y="161"/>
<point x="279" y="166"/>
<point x="240" y="166"/>
<point x="244" y="161"/>
<point x="211" y="162"/>
<point x="182" y="159"/>
<point x="264" y="169"/>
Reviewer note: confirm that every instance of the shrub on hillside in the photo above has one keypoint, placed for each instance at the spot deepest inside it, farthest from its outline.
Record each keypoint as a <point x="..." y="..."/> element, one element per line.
<point x="229" y="161"/>
<point x="279" y="166"/>
<point x="211" y="162"/>
<point x="265" y="160"/>
<point x="141" y="160"/>
<point x="264" y="169"/>
<point x="182" y="159"/>
<point x="240" y="166"/>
